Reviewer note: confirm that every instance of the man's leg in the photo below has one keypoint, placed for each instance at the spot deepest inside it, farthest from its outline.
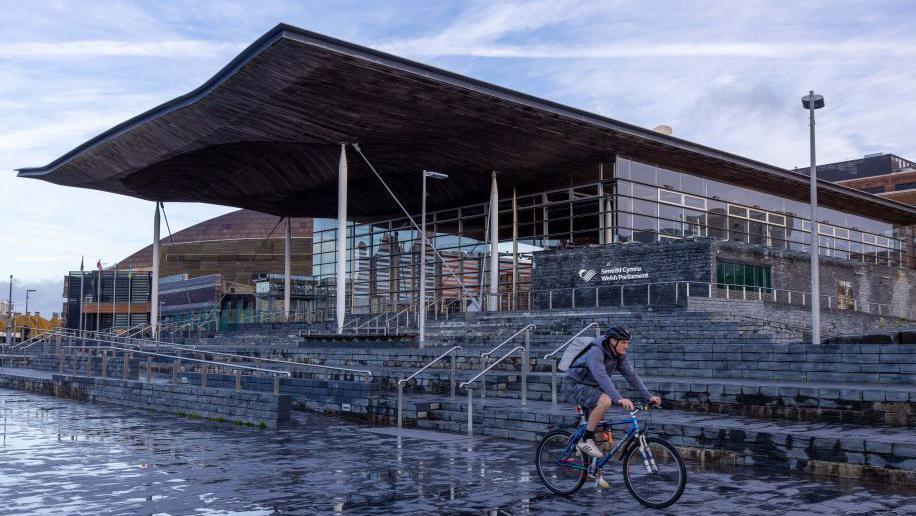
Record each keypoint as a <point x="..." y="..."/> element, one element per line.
<point x="587" y="445"/>
<point x="597" y="413"/>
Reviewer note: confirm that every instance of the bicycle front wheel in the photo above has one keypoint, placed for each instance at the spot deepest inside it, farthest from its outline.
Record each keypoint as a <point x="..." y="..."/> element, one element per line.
<point x="656" y="479"/>
<point x="562" y="473"/>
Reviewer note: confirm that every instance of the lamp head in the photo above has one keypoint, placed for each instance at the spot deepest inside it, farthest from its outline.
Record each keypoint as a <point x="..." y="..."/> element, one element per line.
<point x="817" y="99"/>
<point x="435" y="175"/>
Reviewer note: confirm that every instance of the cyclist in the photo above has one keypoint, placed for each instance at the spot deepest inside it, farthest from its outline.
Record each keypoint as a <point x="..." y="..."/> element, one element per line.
<point x="588" y="382"/>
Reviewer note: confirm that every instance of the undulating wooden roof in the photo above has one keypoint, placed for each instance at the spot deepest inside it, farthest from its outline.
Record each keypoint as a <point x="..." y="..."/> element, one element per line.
<point x="264" y="134"/>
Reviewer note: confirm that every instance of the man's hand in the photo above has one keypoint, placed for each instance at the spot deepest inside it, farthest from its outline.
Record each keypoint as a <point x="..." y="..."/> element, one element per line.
<point x="655" y="400"/>
<point x="625" y="403"/>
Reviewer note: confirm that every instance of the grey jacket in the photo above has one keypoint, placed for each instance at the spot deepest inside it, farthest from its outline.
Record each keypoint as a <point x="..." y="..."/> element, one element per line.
<point x="597" y="365"/>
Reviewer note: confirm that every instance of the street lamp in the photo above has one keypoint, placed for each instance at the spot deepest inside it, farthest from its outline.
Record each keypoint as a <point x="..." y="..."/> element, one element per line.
<point x="422" y="308"/>
<point x="812" y="102"/>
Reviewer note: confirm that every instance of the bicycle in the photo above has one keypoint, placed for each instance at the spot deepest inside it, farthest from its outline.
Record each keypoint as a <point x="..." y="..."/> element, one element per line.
<point x="653" y="471"/>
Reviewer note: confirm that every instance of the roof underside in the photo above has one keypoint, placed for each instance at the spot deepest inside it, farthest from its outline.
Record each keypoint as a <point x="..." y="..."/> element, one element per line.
<point x="265" y="134"/>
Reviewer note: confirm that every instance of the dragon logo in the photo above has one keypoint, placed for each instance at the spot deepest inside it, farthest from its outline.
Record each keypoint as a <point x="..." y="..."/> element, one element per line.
<point x="587" y="274"/>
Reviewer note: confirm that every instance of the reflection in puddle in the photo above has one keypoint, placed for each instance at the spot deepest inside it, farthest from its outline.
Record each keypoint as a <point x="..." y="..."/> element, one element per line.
<point x="62" y="456"/>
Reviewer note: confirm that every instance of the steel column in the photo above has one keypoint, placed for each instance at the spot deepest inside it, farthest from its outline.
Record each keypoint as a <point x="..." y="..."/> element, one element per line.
<point x="340" y="275"/>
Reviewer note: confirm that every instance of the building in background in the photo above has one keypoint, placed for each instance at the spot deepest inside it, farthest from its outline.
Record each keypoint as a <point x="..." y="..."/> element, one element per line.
<point x="111" y="299"/>
<point x="885" y="175"/>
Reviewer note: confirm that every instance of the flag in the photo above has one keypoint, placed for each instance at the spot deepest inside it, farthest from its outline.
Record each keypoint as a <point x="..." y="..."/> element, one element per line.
<point x="99" y="265"/>
<point x="82" y="258"/>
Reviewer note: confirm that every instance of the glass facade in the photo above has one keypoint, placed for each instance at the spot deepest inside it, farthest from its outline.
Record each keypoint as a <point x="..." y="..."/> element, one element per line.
<point x="611" y="202"/>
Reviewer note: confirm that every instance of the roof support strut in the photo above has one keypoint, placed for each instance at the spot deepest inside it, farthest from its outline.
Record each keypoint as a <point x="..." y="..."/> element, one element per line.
<point x="341" y="248"/>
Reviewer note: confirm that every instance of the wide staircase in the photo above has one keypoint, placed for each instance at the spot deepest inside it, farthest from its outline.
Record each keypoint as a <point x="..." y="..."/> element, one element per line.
<point x="735" y="388"/>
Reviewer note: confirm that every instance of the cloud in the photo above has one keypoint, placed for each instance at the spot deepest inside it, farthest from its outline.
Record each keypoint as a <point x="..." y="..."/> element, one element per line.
<point x="169" y="48"/>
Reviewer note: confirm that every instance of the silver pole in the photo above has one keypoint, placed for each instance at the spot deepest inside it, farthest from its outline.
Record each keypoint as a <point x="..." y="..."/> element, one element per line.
<point x="9" y="308"/>
<point x="341" y="238"/>
<point x="287" y="268"/>
<point x="422" y="319"/>
<point x="514" y="301"/>
<point x="553" y="381"/>
<point x="154" y="280"/>
<point x="494" y="245"/>
<point x="815" y="265"/>
<point x="525" y="367"/>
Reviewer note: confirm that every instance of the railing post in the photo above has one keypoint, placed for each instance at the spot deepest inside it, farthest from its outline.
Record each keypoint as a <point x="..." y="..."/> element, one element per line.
<point x="203" y="375"/>
<point x="238" y="380"/>
<point x="759" y="294"/>
<point x="553" y="381"/>
<point x="525" y="366"/>
<point x="649" y="294"/>
<point x="400" y="404"/>
<point x="596" y="297"/>
<point x="621" y="295"/>
<point x="550" y="299"/>
<point x="688" y="290"/>
<point x="483" y="380"/>
<point x="149" y="369"/>
<point x="710" y="290"/>
<point x="470" y="411"/>
<point x="573" y="296"/>
<point x="452" y="378"/>
<point x="804" y="302"/>
<point x="744" y="292"/>
<point x="276" y="385"/>
<point x="790" y="297"/>
<point x="728" y="294"/>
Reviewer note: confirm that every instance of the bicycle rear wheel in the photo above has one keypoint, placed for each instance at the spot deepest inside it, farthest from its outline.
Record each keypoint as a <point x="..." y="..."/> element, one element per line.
<point x="662" y="482"/>
<point x="561" y="474"/>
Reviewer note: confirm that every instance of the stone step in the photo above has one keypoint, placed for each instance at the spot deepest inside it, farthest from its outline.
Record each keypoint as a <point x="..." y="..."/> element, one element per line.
<point x="754" y="441"/>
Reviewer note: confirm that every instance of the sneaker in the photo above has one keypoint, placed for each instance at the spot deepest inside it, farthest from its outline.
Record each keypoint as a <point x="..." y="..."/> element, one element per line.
<point x="600" y="482"/>
<point x="588" y="447"/>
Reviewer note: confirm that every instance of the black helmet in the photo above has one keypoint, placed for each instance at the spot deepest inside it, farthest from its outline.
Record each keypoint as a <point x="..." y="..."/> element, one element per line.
<point x="618" y="332"/>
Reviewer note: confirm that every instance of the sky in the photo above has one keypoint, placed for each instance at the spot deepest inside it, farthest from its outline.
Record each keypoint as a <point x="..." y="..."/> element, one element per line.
<point x="724" y="74"/>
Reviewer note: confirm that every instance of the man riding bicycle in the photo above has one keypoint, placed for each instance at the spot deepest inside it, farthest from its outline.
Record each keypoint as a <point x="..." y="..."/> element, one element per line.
<point x="588" y="382"/>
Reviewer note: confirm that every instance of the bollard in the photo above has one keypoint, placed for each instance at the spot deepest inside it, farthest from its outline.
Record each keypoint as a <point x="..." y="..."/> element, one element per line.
<point x="238" y="380"/>
<point x="203" y="375"/>
<point x="149" y="369"/>
<point x="124" y="367"/>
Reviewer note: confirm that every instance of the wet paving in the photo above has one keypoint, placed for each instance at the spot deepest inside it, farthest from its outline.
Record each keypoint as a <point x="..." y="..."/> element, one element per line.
<point x="64" y="457"/>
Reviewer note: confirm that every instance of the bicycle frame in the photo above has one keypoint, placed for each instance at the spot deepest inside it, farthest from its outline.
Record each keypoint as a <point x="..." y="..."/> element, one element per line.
<point x="633" y="431"/>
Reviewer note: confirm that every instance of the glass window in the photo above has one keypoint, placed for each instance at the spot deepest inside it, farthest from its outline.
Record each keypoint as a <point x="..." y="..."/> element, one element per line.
<point x="737" y="211"/>
<point x="743" y="275"/>
<point x="669" y="197"/>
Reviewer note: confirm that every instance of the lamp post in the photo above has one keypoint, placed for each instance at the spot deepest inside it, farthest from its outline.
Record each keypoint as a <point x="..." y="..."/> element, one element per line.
<point x="812" y="102"/>
<point x="422" y="307"/>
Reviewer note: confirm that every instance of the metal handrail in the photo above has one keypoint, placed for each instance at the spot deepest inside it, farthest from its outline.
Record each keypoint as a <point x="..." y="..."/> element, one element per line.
<point x="403" y="382"/>
<point x="491" y="366"/>
<point x="503" y="343"/>
<point x="172" y="345"/>
<point x="484" y="386"/>
<point x="366" y="324"/>
<point x="553" y="364"/>
<point x="760" y="293"/>
<point x="183" y="359"/>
